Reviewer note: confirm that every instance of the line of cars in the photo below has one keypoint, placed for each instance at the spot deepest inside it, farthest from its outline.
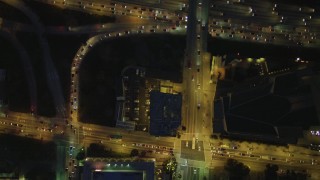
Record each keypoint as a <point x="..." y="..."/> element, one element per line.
<point x="72" y="164"/>
<point x="157" y="149"/>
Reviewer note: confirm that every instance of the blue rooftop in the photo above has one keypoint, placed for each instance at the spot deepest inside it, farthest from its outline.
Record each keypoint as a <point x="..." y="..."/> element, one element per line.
<point x="165" y="113"/>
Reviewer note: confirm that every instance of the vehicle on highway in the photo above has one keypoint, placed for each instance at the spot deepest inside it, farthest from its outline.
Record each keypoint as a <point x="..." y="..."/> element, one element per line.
<point x="115" y="137"/>
<point x="272" y="158"/>
<point x="189" y="64"/>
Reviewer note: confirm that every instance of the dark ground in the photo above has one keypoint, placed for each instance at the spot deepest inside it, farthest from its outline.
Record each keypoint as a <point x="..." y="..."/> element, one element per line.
<point x="18" y="153"/>
<point x="105" y="62"/>
<point x="162" y="53"/>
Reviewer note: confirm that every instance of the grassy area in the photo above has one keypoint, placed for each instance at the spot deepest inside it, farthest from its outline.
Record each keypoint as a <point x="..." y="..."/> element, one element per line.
<point x="267" y="109"/>
<point x="10" y="13"/>
<point x="63" y="49"/>
<point x="303" y="117"/>
<point x="45" y="101"/>
<point x="16" y="88"/>
<point x="236" y="124"/>
<point x="17" y="153"/>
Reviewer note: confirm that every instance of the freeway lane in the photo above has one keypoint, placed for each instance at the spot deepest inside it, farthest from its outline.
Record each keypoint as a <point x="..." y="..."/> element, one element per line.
<point x="99" y="133"/>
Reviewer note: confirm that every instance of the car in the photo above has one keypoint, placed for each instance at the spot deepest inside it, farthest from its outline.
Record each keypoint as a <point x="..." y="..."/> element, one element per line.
<point x="189" y="64"/>
<point x="314" y="162"/>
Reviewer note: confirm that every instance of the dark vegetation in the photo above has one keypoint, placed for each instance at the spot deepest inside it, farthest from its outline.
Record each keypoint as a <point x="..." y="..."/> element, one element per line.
<point x="272" y="172"/>
<point x="236" y="170"/>
<point x="18" y="153"/>
<point x="16" y="88"/>
<point x="45" y="101"/>
<point x="10" y="13"/>
<point x="260" y="109"/>
<point x="63" y="50"/>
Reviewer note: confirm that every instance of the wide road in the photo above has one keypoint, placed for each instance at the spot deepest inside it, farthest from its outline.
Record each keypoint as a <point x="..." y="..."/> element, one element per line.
<point x="80" y="135"/>
<point x="280" y="23"/>
<point x="198" y="91"/>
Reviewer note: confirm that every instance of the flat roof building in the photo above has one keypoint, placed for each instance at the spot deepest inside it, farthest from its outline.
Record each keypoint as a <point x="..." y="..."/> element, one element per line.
<point x="165" y="113"/>
<point x="119" y="168"/>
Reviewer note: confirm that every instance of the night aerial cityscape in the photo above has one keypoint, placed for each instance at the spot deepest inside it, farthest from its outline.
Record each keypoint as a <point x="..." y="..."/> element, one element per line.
<point x="160" y="89"/>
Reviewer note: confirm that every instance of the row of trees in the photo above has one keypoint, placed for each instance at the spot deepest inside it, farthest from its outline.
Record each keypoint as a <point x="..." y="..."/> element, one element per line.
<point x="271" y="173"/>
<point x="238" y="171"/>
<point x="135" y="152"/>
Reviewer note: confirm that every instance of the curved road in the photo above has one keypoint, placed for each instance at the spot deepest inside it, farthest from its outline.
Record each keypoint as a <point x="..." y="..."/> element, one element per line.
<point x="26" y="64"/>
<point x="51" y="73"/>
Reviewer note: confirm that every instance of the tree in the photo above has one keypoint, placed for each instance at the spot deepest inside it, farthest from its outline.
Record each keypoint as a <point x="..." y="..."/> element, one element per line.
<point x="81" y="154"/>
<point x="292" y="175"/>
<point x="134" y="152"/>
<point x="170" y="166"/>
<point x="270" y="172"/>
<point x="236" y="170"/>
<point x="96" y="150"/>
<point x="143" y="153"/>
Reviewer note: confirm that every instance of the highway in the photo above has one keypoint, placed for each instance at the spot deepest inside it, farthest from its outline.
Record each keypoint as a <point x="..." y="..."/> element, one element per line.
<point x="216" y="152"/>
<point x="267" y="22"/>
<point x="199" y="92"/>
